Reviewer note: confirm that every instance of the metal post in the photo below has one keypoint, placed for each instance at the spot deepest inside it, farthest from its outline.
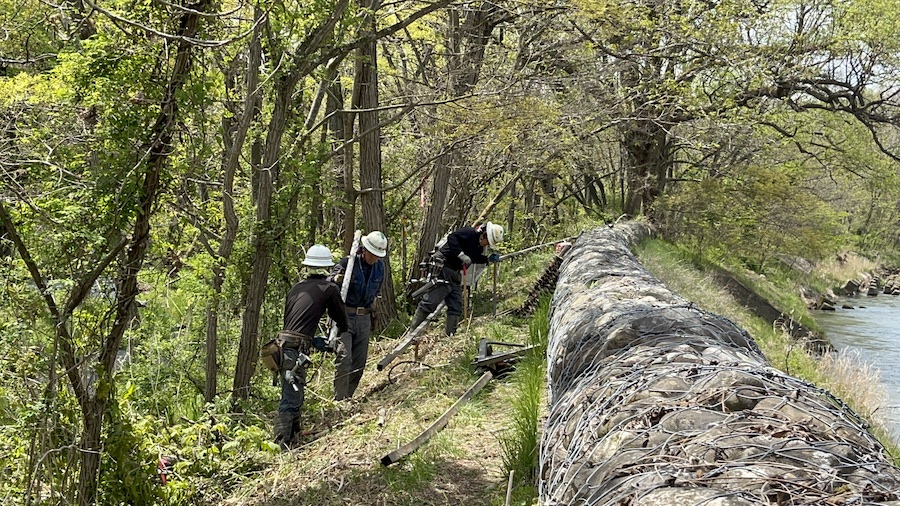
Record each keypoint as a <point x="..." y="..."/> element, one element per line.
<point x="496" y="268"/>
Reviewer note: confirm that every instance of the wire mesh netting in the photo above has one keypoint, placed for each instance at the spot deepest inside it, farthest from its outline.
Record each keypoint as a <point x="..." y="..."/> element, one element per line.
<point x="655" y="401"/>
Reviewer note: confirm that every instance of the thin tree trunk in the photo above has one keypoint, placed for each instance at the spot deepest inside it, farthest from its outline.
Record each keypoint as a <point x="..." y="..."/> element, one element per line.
<point x="431" y="223"/>
<point x="467" y="44"/>
<point x="647" y="154"/>
<point x="511" y="212"/>
<point x="341" y="125"/>
<point x="251" y="108"/>
<point x="546" y="182"/>
<point x="372" y="199"/>
<point x="159" y="151"/>
<point x="530" y="206"/>
<point x="263" y="241"/>
<point x="266" y="227"/>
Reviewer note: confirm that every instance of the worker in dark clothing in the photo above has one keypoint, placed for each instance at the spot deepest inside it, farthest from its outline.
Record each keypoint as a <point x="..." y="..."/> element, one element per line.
<point x="352" y="347"/>
<point x="462" y="248"/>
<point x="306" y="303"/>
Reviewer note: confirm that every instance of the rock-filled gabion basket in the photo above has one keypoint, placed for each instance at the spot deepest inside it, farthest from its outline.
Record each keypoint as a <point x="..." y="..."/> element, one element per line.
<point x="656" y="402"/>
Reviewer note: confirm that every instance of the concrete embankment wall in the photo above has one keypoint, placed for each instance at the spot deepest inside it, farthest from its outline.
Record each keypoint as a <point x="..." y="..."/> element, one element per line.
<point x="656" y="402"/>
<point x="765" y="310"/>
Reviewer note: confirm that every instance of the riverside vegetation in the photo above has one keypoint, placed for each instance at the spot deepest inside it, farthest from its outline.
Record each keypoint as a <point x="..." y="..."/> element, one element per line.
<point x="841" y="373"/>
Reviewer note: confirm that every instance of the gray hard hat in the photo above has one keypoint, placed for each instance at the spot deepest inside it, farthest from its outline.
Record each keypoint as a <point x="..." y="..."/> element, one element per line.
<point x="318" y="256"/>
<point x="376" y="243"/>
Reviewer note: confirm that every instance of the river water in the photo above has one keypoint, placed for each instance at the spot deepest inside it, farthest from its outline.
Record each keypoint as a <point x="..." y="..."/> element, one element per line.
<point x="873" y="331"/>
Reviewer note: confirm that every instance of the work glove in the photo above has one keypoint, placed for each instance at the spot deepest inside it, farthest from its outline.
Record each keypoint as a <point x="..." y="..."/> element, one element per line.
<point x="322" y="343"/>
<point x="337" y="275"/>
<point x="493" y="257"/>
<point x="466" y="259"/>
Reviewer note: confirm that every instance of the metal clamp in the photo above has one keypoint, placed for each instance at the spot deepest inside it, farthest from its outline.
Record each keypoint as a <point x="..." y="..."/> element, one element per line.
<point x="291" y="376"/>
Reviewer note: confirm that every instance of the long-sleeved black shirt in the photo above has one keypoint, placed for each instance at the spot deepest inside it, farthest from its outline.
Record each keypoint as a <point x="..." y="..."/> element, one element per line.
<point x="308" y="300"/>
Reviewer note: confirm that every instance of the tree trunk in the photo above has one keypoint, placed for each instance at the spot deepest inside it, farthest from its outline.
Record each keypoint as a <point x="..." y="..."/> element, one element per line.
<point x="350" y="193"/>
<point x="234" y="149"/>
<point x="467" y="44"/>
<point x="92" y="419"/>
<point x="263" y="241"/>
<point x="546" y="182"/>
<point x="511" y="212"/>
<point x="266" y="228"/>
<point x="344" y="214"/>
<point x="647" y="159"/>
<point x="430" y="230"/>
<point x="372" y="199"/>
<point x="159" y="151"/>
<point x="530" y="206"/>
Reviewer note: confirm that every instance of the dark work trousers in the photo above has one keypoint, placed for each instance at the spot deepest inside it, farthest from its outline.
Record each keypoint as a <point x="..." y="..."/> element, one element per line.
<point x="450" y="293"/>
<point x="351" y="353"/>
<point x="287" y="424"/>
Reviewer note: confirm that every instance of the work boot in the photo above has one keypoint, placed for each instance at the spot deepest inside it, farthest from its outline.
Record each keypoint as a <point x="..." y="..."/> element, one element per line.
<point x="417" y="319"/>
<point x="451" y="324"/>
<point x="295" y="432"/>
<point x="284" y="430"/>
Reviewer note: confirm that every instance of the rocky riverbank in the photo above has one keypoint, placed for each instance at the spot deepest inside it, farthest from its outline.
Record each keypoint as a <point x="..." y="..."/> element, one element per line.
<point x="885" y="281"/>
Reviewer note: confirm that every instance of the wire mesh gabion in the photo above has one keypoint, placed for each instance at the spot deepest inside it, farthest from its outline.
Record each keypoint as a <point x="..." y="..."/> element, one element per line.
<point x="656" y="402"/>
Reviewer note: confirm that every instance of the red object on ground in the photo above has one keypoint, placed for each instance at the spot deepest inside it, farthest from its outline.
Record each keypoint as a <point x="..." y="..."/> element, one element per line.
<point x="162" y="469"/>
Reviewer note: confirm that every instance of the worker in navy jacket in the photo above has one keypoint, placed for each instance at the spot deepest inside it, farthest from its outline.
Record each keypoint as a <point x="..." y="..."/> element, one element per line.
<point x="462" y="248"/>
<point x="352" y="347"/>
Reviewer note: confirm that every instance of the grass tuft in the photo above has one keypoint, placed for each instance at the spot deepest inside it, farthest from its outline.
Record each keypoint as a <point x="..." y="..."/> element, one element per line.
<point x="837" y="271"/>
<point x="520" y="443"/>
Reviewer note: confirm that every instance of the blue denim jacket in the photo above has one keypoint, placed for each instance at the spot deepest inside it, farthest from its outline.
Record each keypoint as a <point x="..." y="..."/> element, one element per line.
<point x="365" y="283"/>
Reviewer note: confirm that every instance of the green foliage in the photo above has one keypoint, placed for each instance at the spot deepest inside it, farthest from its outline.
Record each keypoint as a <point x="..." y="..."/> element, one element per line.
<point x="394" y="329"/>
<point x="414" y="472"/>
<point x="520" y="444"/>
<point x="539" y="326"/>
<point x="825" y="189"/>
<point x="203" y="457"/>
<point x="128" y="467"/>
<point x="755" y="215"/>
<point x="30" y="33"/>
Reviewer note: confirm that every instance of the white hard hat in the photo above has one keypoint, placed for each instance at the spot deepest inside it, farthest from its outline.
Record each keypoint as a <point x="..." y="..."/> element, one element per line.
<point x="494" y="234"/>
<point x="318" y="256"/>
<point x="376" y="243"/>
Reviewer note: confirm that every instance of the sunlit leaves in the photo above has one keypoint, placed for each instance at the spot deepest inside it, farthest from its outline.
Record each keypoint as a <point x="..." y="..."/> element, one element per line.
<point x="30" y="34"/>
<point x="874" y="23"/>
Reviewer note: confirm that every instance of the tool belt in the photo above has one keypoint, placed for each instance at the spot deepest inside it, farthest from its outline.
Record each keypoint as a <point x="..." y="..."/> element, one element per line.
<point x="294" y="340"/>
<point x="271" y="354"/>
<point x="357" y="310"/>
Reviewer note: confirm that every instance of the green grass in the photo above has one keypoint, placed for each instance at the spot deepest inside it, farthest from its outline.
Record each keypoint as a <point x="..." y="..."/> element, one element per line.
<point x="520" y="443"/>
